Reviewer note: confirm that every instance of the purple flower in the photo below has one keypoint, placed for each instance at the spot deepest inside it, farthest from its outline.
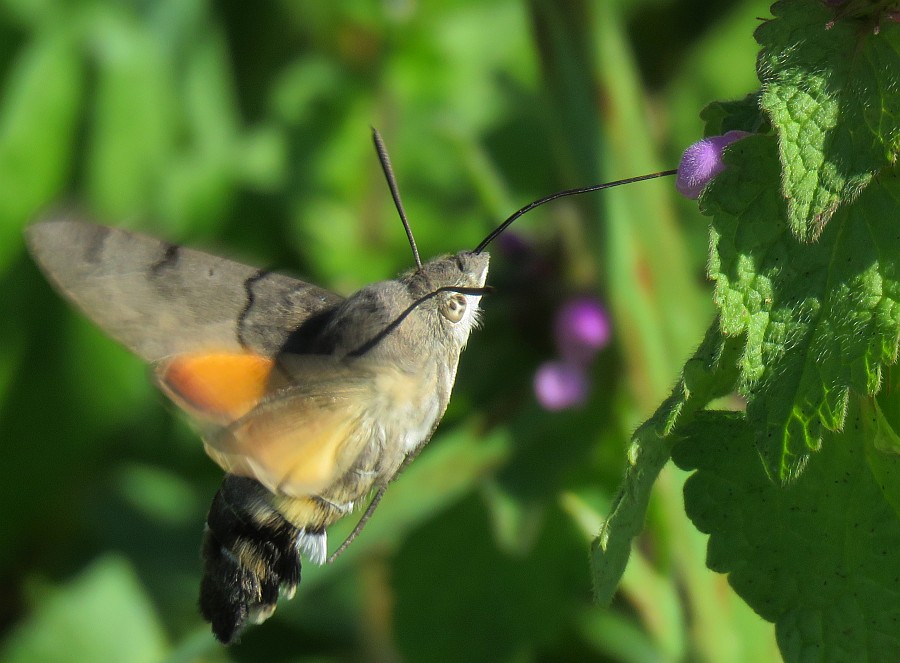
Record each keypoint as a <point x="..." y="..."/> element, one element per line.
<point x="581" y="328"/>
<point x="702" y="161"/>
<point x="559" y="385"/>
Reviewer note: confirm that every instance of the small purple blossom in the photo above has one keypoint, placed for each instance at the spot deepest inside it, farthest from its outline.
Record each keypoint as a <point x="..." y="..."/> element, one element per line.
<point x="702" y="161"/>
<point x="582" y="327"/>
<point x="559" y="385"/>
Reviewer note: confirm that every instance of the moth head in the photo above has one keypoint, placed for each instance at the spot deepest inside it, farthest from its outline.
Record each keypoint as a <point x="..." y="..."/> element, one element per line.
<point x="447" y="289"/>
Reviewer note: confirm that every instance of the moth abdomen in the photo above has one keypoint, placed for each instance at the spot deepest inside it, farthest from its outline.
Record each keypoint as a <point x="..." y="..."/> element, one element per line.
<point x="250" y="555"/>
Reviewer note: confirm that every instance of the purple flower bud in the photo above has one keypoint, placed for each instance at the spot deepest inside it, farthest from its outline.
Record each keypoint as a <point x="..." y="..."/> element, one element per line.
<point x="582" y="327"/>
<point x="702" y="161"/>
<point x="559" y="385"/>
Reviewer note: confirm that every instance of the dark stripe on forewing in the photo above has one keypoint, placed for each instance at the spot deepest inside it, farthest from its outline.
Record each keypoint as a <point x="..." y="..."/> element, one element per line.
<point x="169" y="259"/>
<point x="93" y="251"/>
<point x="250" y="298"/>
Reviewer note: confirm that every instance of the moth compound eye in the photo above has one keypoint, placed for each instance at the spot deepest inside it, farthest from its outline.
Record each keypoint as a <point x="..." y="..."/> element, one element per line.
<point x="453" y="307"/>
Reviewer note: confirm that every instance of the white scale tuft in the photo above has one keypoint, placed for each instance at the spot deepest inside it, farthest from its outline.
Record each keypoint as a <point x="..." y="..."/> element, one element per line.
<point x="313" y="546"/>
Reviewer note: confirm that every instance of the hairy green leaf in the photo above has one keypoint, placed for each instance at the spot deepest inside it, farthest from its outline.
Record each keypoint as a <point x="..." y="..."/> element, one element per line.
<point x="831" y="92"/>
<point x="820" y="318"/>
<point x="710" y="373"/>
<point x="817" y="558"/>
<point x="720" y="117"/>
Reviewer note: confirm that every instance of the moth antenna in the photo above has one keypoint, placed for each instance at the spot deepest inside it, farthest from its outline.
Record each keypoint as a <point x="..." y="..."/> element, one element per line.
<point x="359" y="526"/>
<point x="562" y="194"/>
<point x="395" y="192"/>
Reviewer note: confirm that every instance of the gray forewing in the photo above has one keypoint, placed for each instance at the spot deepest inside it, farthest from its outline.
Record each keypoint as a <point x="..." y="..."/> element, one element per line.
<point x="159" y="299"/>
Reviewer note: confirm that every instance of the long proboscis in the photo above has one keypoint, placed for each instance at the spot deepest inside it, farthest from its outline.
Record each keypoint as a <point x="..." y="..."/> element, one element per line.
<point x="562" y="194"/>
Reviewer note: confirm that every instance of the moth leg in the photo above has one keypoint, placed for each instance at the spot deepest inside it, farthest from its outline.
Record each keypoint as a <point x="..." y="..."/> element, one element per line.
<point x="340" y="508"/>
<point x="410" y="457"/>
<point x="372" y="506"/>
<point x="359" y="526"/>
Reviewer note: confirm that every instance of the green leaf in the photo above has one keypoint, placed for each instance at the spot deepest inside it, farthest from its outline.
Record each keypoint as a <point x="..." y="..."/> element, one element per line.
<point x="720" y="117"/>
<point x="710" y="373"/>
<point x="819" y="318"/>
<point x="817" y="558"/>
<point x="887" y="405"/>
<point x="884" y="445"/>
<point x="831" y="94"/>
<point x="103" y="615"/>
<point x="651" y="594"/>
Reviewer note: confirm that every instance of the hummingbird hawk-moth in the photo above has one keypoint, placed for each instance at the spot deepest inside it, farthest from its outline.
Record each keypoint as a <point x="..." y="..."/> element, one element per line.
<point x="309" y="401"/>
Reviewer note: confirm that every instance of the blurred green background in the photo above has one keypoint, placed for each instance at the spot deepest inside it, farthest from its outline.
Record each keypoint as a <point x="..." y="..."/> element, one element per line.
<point x="244" y="128"/>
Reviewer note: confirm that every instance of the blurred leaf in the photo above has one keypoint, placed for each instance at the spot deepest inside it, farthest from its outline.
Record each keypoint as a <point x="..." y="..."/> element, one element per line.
<point x="658" y="311"/>
<point x="161" y="495"/>
<point x="337" y="234"/>
<point x="332" y="239"/>
<point x="815" y="557"/>
<point x="198" y="647"/>
<point x="38" y="118"/>
<point x="34" y="12"/>
<point x="468" y="36"/>
<point x="12" y="344"/>
<point x="260" y="158"/>
<point x="516" y="522"/>
<point x="510" y="595"/>
<point x="133" y="125"/>
<point x="114" y="383"/>
<point x="616" y="638"/>
<point x="197" y="186"/>
<point x="301" y="85"/>
<point x="719" y="65"/>
<point x="64" y="627"/>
